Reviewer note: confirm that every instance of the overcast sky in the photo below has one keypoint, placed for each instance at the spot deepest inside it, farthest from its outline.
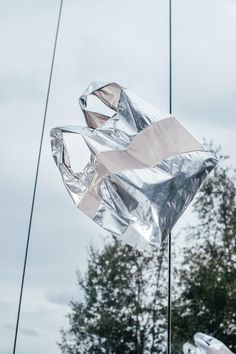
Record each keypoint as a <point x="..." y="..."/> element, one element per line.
<point x="121" y="40"/>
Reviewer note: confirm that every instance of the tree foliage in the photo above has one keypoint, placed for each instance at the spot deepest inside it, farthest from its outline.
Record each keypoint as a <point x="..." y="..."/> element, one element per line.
<point x="123" y="309"/>
<point x="207" y="275"/>
<point x="124" y="305"/>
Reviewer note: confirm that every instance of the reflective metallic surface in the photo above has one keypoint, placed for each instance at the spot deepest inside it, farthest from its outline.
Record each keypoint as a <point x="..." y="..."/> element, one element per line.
<point x="205" y="345"/>
<point x="145" y="168"/>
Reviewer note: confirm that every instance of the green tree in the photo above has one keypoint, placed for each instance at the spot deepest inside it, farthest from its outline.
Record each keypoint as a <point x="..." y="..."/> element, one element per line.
<point x="123" y="309"/>
<point x="124" y="305"/>
<point x="206" y="297"/>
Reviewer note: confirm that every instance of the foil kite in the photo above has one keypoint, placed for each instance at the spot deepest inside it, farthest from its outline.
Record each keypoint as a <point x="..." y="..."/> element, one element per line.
<point x="145" y="167"/>
<point x="205" y="345"/>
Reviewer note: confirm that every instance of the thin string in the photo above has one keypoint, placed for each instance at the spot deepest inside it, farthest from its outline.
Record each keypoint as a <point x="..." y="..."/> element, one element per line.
<point x="169" y="240"/>
<point x="170" y="56"/>
<point x="36" y="177"/>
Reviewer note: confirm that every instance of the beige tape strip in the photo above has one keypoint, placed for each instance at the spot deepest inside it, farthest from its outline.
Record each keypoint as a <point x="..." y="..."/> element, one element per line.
<point x="109" y="94"/>
<point x="89" y="203"/>
<point x="91" y="200"/>
<point x="157" y="142"/>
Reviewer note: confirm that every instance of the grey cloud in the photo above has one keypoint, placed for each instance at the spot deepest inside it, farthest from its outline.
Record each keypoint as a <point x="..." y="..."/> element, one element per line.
<point x="91" y="47"/>
<point x="29" y="332"/>
<point x="17" y="86"/>
<point x="62" y="298"/>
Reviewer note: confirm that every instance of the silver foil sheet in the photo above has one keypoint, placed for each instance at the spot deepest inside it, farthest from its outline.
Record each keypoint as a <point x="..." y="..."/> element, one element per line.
<point x="205" y="345"/>
<point x="145" y="167"/>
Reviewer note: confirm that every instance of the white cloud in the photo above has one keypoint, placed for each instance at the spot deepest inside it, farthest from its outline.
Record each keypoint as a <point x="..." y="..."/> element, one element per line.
<point x="124" y="41"/>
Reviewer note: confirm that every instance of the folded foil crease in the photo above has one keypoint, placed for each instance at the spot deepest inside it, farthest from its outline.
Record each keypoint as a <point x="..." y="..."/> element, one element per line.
<point x="144" y="170"/>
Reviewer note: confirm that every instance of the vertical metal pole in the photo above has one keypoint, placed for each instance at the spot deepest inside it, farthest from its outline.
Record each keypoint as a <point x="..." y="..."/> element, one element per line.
<point x="170" y="56"/>
<point x="36" y="179"/>
<point x="169" y="240"/>
<point x="169" y="298"/>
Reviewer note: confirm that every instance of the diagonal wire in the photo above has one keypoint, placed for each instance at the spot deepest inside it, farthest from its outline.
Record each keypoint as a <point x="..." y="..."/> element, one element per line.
<point x="36" y="176"/>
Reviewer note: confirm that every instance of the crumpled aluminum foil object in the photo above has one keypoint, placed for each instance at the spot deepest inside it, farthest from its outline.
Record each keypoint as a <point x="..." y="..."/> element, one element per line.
<point x="205" y="345"/>
<point x="144" y="170"/>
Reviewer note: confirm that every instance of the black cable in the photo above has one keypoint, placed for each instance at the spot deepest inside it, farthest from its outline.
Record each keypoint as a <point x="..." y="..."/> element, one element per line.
<point x="169" y="298"/>
<point x="36" y="177"/>
<point x="170" y="56"/>
<point x="169" y="240"/>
